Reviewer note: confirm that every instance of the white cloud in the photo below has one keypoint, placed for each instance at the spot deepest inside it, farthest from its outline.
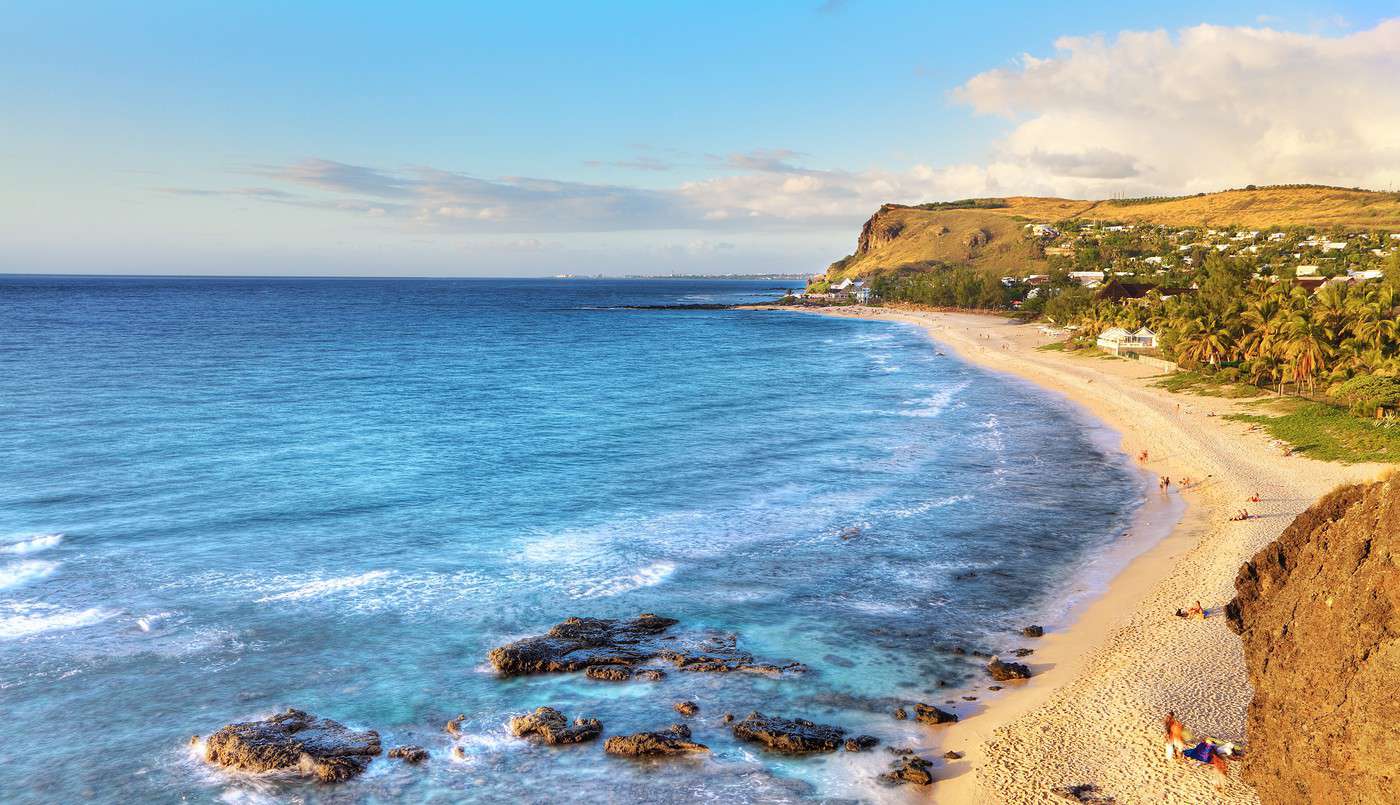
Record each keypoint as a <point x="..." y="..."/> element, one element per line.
<point x="1140" y="113"/>
<point x="1209" y="108"/>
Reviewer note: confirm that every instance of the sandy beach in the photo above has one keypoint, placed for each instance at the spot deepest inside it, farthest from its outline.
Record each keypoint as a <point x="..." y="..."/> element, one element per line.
<point x="1092" y="713"/>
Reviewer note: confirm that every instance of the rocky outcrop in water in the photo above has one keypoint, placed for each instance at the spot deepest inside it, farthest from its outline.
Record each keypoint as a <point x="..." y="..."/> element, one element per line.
<point x="928" y="714"/>
<point x="860" y="743"/>
<point x="788" y="735"/>
<point x="675" y="740"/>
<point x="1003" y="671"/>
<point x="552" y="727"/>
<point x="1318" y="610"/>
<point x="687" y="709"/>
<point x="409" y="754"/>
<point x="294" y="741"/>
<point x="578" y="644"/>
<point x="909" y="769"/>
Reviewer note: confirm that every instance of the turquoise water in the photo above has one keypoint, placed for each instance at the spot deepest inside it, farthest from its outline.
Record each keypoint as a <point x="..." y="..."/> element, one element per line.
<point x="219" y="498"/>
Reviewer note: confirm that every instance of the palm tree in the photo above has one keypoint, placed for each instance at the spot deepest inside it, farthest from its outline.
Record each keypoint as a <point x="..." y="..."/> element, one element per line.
<point x="1308" y="349"/>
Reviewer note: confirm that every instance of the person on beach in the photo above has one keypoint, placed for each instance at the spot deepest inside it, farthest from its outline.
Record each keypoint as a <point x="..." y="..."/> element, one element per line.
<point x="1195" y="613"/>
<point x="1208" y="753"/>
<point x="1142" y="456"/>
<point x="1254" y="498"/>
<point x="1175" y="736"/>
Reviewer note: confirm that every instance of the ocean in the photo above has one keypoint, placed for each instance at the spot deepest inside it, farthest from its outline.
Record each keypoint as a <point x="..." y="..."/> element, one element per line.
<point x="223" y="497"/>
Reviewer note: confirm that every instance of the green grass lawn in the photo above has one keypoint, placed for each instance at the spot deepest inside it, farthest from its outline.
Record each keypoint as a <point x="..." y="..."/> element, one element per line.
<point x="1327" y="432"/>
<point x="1207" y="385"/>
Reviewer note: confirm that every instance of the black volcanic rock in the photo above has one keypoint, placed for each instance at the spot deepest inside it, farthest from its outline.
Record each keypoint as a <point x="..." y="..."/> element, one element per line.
<point x="909" y="769"/>
<point x="928" y="714"/>
<point x="860" y="743"/>
<point x="552" y="727"/>
<point x="1003" y="671"/>
<point x="578" y="644"/>
<point x="788" y="735"/>
<point x="409" y="754"/>
<point x="294" y="741"/>
<point x="675" y="740"/>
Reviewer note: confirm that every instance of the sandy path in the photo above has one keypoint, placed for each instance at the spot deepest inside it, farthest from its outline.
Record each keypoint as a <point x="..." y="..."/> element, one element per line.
<point x="1092" y="714"/>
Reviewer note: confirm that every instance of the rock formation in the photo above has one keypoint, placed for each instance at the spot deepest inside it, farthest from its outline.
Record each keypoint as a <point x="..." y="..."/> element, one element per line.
<point x="294" y="741"/>
<point x="788" y="735"/>
<point x="1318" y="610"/>
<point x="860" y="743"/>
<point x="909" y="769"/>
<point x="578" y="644"/>
<point x="552" y="727"/>
<point x="878" y="231"/>
<point x="1002" y="671"/>
<point x="675" y="740"/>
<point x="928" y="714"/>
<point x="409" y="754"/>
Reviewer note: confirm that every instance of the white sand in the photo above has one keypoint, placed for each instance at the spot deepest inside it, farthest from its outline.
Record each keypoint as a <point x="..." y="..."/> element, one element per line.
<point x="1092" y="713"/>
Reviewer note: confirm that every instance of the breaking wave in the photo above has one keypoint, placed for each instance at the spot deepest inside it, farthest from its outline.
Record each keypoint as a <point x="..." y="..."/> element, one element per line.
<point x="316" y="589"/>
<point x="25" y="619"/>
<point x="13" y="575"/>
<point x="34" y="544"/>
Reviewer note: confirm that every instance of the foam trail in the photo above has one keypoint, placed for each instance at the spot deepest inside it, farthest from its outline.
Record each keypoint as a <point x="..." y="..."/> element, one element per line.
<point x="317" y="589"/>
<point x="34" y="544"/>
<point x="648" y="576"/>
<point x="32" y="619"/>
<point x="13" y="575"/>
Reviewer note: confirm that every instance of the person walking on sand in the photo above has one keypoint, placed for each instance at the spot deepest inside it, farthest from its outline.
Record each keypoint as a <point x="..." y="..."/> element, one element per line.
<point x="1175" y="736"/>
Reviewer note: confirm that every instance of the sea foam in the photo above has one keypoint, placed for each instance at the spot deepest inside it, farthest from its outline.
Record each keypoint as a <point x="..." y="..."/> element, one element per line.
<point x="316" y="589"/>
<point x="17" y="573"/>
<point x="33" y="544"/>
<point x="23" y="619"/>
<point x="648" y="576"/>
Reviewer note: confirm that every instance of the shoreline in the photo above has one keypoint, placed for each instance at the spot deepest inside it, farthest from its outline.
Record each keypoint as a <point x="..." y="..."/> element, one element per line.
<point x="1091" y="713"/>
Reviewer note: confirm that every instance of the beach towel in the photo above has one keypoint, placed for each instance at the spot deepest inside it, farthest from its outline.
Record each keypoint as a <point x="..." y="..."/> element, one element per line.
<point x="1201" y="752"/>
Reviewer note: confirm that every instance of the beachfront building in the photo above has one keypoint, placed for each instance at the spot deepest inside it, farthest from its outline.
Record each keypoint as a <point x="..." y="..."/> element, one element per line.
<point x="1118" y="340"/>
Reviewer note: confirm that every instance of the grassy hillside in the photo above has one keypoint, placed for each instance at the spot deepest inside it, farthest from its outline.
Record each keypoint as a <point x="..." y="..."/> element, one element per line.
<point x="899" y="237"/>
<point x="987" y="233"/>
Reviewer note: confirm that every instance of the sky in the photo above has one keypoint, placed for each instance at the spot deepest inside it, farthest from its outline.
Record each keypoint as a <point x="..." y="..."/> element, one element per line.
<point x="519" y="139"/>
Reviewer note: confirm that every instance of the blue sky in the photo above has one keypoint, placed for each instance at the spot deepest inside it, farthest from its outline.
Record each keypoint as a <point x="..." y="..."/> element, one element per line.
<point x="446" y="138"/>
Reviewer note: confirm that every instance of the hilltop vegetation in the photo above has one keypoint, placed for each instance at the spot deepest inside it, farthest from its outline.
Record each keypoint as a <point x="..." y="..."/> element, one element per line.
<point x="989" y="233"/>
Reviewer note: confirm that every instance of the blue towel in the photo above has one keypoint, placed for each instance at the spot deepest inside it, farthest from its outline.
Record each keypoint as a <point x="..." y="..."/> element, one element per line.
<point x="1201" y="751"/>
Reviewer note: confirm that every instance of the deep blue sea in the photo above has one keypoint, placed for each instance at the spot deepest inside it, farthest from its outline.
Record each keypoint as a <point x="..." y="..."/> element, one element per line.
<point x="223" y="497"/>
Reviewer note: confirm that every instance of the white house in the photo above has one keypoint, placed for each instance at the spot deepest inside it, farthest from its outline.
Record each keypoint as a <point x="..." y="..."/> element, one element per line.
<point x="1306" y="271"/>
<point x="1117" y="340"/>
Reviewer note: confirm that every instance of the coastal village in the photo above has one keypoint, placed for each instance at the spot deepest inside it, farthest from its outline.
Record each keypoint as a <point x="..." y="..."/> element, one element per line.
<point x="1127" y="260"/>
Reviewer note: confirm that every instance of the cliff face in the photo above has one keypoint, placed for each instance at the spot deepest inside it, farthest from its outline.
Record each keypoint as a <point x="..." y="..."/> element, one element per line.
<point x="1319" y="613"/>
<point x="896" y="238"/>
<point x="878" y="231"/>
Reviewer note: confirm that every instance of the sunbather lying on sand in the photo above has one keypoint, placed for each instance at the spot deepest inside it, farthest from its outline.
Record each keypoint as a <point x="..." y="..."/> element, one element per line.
<point x="1195" y="613"/>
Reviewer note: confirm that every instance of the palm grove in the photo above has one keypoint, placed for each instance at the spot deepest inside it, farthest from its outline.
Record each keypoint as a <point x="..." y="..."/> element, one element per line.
<point x="1267" y="330"/>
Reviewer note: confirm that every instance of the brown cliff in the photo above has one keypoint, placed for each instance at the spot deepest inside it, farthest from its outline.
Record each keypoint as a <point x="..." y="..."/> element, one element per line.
<point x="1319" y="613"/>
